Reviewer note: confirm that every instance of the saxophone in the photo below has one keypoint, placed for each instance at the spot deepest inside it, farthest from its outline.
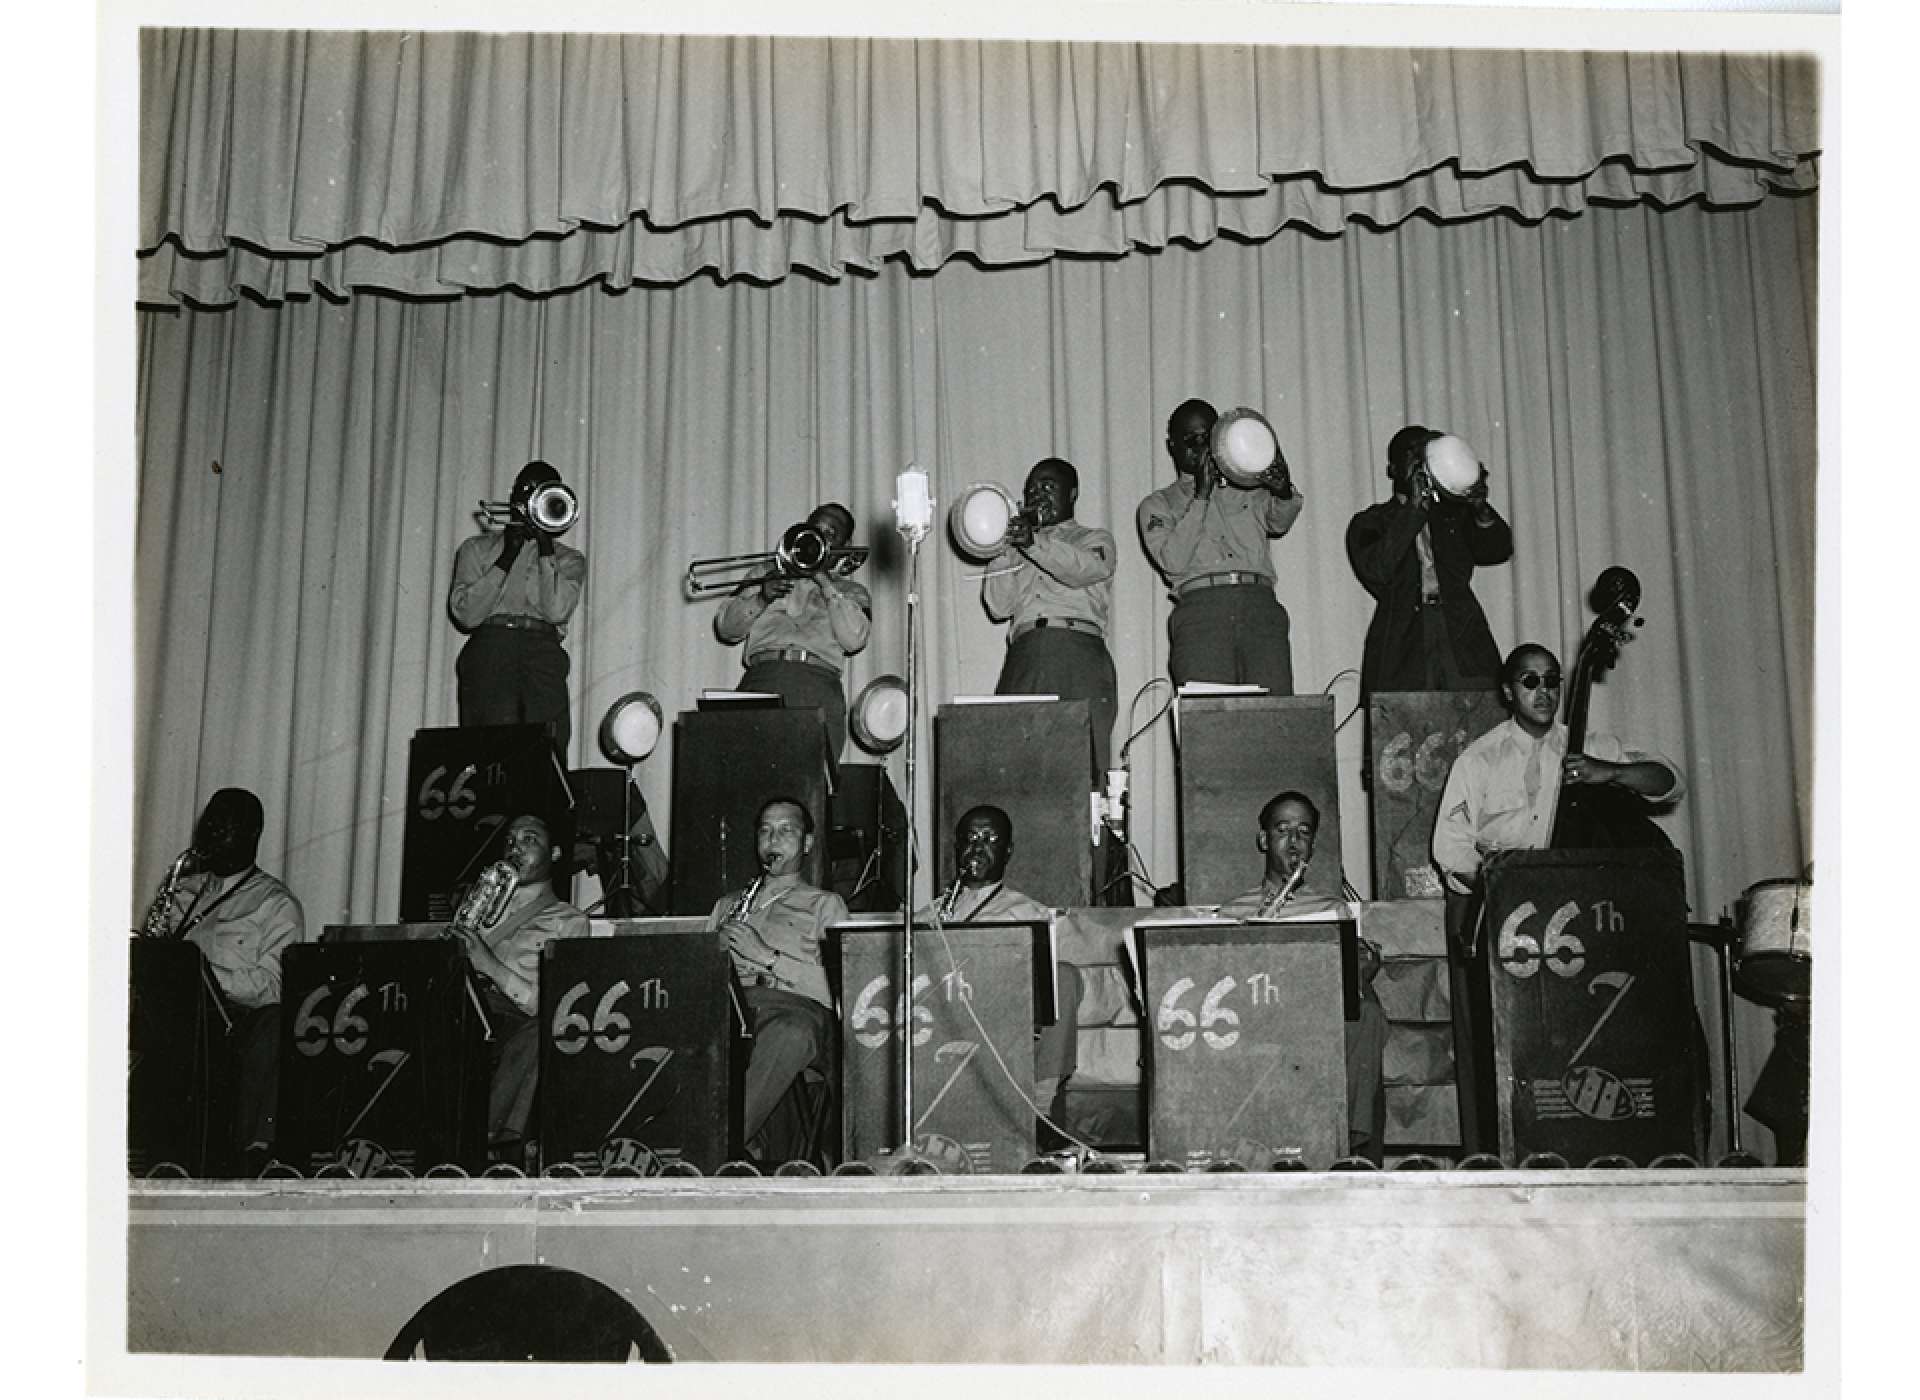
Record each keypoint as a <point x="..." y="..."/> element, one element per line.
<point x="951" y="901"/>
<point x="158" y="912"/>
<point x="487" y="900"/>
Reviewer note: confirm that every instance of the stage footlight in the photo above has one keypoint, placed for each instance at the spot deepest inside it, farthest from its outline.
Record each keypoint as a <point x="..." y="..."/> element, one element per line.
<point x="631" y="728"/>
<point x="879" y="716"/>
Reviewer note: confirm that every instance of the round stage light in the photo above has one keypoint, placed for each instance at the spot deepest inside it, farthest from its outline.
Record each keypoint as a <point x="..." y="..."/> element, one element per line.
<point x="631" y="728"/>
<point x="879" y="716"/>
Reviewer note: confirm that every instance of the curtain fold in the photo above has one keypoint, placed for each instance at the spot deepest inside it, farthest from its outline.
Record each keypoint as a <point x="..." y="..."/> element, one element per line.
<point x="281" y="165"/>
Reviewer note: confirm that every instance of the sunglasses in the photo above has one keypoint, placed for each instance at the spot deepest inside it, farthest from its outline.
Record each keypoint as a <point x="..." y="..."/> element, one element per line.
<point x="1533" y="681"/>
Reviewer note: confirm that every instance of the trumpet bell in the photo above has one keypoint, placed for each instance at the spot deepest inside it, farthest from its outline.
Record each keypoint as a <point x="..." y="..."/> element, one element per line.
<point x="802" y="550"/>
<point x="553" y="508"/>
<point x="1452" y="465"/>
<point x="1245" y="447"/>
<point x="979" y="517"/>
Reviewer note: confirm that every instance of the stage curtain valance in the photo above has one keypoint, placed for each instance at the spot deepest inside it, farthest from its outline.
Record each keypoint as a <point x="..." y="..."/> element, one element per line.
<point x="279" y="165"/>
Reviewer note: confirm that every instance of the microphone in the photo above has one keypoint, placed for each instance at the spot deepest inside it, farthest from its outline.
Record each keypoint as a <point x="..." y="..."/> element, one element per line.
<point x="912" y="504"/>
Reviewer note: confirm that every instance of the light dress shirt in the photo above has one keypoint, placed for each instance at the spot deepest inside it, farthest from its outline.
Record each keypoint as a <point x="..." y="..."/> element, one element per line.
<point x="1188" y="538"/>
<point x="535" y="586"/>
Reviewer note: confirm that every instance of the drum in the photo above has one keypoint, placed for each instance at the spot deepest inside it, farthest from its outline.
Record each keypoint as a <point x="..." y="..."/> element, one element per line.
<point x="1776" y="941"/>
<point x="1452" y="465"/>
<point x="1245" y="446"/>
<point x="878" y="719"/>
<point x="979" y="517"/>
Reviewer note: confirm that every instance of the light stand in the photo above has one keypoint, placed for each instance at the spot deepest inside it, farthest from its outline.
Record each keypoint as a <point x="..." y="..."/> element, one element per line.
<point x="628" y="733"/>
<point x="913" y="515"/>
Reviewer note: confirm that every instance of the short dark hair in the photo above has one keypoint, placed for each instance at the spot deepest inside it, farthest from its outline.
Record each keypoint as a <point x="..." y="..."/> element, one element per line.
<point x="806" y="815"/>
<point x="534" y="472"/>
<point x="1406" y="447"/>
<point x="238" y="806"/>
<point x="1061" y="465"/>
<point x="835" y="508"/>
<point x="1193" y="406"/>
<point x="987" y="809"/>
<point x="1274" y="804"/>
<point x="1510" y="668"/>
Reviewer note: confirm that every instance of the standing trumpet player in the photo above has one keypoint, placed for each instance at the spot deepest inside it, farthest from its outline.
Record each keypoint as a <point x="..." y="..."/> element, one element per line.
<point x="242" y="920"/>
<point x="1208" y="538"/>
<point x="513" y="591"/>
<point x="774" y="930"/>
<point x="1053" y="583"/>
<point x="503" y="945"/>
<point x="800" y="630"/>
<point x="1416" y="555"/>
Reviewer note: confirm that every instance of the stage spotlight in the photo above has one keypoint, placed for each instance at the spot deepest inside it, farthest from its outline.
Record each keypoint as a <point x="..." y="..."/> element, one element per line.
<point x="631" y="728"/>
<point x="879" y="716"/>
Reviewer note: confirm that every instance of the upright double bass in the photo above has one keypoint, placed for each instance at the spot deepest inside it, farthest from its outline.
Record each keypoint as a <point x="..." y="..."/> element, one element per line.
<point x="1586" y="816"/>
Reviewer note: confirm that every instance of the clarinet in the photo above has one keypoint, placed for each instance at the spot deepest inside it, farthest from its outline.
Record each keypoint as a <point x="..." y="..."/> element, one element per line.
<point x="158" y="912"/>
<point x="742" y="906"/>
<point x="951" y="901"/>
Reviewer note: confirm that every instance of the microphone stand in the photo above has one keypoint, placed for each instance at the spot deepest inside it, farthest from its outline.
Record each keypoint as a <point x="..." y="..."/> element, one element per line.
<point x="913" y="515"/>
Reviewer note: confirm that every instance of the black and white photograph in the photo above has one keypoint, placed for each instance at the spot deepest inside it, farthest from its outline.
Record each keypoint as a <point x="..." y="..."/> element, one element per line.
<point x="1147" y="687"/>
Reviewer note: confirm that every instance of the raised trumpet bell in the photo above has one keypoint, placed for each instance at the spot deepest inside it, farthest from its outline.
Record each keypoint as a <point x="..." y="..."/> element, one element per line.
<point x="1452" y="465"/>
<point x="551" y="509"/>
<point x="1245" y="447"/>
<point x="979" y="517"/>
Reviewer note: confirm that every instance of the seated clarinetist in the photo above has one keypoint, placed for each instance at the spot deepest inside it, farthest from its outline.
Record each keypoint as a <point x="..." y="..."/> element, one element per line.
<point x="982" y="845"/>
<point x="1289" y="825"/>
<point x="774" y="930"/>
<point x="505" y="952"/>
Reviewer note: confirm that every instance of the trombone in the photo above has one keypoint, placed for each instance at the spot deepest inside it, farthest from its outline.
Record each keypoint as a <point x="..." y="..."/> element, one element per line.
<point x="801" y="553"/>
<point x="551" y="509"/>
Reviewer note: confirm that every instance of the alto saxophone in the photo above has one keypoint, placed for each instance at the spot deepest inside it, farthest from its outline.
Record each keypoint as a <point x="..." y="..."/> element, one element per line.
<point x="952" y="900"/>
<point x="1272" y="906"/>
<point x="158" y="912"/>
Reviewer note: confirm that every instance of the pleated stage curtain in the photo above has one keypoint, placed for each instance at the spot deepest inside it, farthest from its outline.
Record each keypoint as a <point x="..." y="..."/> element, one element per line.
<point x="279" y="165"/>
<point x="1640" y="384"/>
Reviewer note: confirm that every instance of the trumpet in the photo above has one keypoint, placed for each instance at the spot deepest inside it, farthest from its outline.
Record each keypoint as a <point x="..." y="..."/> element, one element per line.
<point x="802" y="552"/>
<point x="551" y="509"/>
<point x="155" y="924"/>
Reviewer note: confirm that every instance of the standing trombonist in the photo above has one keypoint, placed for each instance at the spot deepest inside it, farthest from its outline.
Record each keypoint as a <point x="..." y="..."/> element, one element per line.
<point x="799" y="629"/>
<point x="513" y="591"/>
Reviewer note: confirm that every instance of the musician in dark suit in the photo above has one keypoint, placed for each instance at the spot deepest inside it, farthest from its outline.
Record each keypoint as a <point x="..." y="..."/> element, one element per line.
<point x="1416" y="555"/>
<point x="1504" y="786"/>
<point x="1289" y="825"/>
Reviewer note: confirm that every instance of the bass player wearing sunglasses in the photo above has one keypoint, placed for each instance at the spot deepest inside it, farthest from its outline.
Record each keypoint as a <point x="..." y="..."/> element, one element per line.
<point x="1502" y="790"/>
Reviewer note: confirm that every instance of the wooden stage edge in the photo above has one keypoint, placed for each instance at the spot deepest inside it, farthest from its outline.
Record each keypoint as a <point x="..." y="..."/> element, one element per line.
<point x="1632" y="1270"/>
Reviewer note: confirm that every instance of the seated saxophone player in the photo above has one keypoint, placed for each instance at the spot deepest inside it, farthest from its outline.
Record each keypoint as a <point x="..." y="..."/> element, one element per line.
<point x="512" y="593"/>
<point x="242" y="920"/>
<point x="774" y="930"/>
<point x="799" y="632"/>
<point x="1289" y="824"/>
<point x="505" y="954"/>
<point x="982" y="845"/>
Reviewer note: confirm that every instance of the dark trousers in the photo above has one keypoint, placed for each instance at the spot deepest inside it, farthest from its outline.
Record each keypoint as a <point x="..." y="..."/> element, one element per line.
<point x="1442" y="671"/>
<point x="790" y="1032"/>
<point x="513" y="1058"/>
<point x="1366" y="1089"/>
<point x="1237" y="634"/>
<point x="1074" y="666"/>
<point x="1056" y="1050"/>
<point x="510" y="676"/>
<point x="805" y="687"/>
<point x="254" y="1063"/>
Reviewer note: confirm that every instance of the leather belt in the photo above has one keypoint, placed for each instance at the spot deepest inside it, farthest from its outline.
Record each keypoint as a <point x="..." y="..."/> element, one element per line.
<point x="796" y="654"/>
<point x="1194" y="585"/>
<point x="1432" y="600"/>
<point x="1071" y="624"/>
<point x="519" y="622"/>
